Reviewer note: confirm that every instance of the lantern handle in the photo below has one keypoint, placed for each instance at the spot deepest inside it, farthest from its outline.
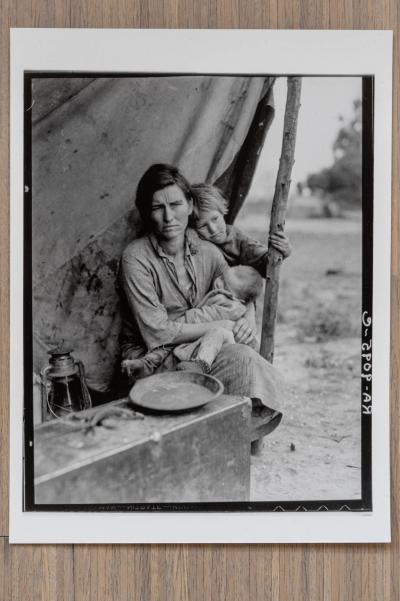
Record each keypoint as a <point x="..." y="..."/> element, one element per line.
<point x="86" y="396"/>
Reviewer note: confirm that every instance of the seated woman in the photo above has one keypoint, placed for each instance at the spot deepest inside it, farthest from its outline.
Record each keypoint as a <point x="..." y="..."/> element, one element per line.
<point x="164" y="276"/>
<point x="241" y="252"/>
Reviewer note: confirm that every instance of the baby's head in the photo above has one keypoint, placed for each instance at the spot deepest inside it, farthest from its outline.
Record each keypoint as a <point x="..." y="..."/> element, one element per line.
<point x="244" y="282"/>
<point x="209" y="208"/>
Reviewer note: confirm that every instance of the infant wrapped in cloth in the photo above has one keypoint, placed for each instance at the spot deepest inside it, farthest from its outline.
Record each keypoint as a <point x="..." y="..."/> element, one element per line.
<point x="238" y="288"/>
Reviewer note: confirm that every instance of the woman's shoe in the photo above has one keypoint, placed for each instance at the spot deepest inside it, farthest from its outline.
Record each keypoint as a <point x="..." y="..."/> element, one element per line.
<point x="264" y="420"/>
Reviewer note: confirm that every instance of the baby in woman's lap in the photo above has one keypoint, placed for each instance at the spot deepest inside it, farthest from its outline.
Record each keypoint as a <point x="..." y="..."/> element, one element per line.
<point x="236" y="290"/>
<point x="240" y="284"/>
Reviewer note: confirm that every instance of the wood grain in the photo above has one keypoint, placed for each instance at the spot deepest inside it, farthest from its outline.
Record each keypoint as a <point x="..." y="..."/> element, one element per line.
<point x="220" y="572"/>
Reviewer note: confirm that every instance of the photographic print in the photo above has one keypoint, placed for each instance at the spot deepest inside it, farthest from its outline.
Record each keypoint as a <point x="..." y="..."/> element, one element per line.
<point x="198" y="290"/>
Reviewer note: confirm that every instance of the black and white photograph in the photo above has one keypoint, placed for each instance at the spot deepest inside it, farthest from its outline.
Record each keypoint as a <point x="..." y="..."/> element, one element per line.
<point x="164" y="369"/>
<point x="201" y="251"/>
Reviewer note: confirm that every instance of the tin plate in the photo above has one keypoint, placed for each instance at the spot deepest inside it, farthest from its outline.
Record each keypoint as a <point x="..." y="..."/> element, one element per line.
<point x="175" y="391"/>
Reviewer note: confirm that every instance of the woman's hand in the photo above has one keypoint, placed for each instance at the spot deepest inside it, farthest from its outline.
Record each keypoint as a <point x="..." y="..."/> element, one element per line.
<point x="281" y="242"/>
<point x="242" y="332"/>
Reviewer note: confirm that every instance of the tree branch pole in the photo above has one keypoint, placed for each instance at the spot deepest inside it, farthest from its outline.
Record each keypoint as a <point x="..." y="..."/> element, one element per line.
<point x="278" y="212"/>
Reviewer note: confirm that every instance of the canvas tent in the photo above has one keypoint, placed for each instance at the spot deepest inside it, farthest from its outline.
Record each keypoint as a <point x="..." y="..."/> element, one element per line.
<point x="92" y="139"/>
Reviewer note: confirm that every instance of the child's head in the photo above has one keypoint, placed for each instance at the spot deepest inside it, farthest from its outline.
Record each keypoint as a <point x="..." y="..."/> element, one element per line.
<point x="244" y="282"/>
<point x="209" y="208"/>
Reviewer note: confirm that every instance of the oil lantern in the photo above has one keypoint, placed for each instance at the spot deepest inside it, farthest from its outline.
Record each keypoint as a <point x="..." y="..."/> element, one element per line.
<point x="64" y="388"/>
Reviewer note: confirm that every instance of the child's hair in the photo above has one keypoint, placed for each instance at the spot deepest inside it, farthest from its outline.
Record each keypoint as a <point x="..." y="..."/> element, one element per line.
<point x="244" y="281"/>
<point x="207" y="198"/>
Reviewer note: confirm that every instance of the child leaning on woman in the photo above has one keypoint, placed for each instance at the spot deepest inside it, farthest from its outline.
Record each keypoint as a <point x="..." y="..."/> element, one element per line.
<point x="238" y="288"/>
<point x="209" y="210"/>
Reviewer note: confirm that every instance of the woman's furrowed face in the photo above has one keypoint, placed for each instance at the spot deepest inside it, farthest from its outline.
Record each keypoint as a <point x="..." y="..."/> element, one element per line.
<point x="211" y="226"/>
<point x="170" y="212"/>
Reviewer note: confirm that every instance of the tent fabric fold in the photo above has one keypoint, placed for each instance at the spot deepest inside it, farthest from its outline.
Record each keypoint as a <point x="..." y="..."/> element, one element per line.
<point x="92" y="139"/>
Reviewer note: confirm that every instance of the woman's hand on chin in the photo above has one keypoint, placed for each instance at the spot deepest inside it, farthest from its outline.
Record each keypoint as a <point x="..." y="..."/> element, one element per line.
<point x="242" y="332"/>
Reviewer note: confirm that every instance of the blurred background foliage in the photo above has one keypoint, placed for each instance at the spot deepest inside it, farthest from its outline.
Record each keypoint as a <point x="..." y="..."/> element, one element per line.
<point x="341" y="182"/>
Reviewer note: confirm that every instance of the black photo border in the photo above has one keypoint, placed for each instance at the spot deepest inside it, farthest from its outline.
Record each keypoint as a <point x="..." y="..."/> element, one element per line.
<point x="364" y="504"/>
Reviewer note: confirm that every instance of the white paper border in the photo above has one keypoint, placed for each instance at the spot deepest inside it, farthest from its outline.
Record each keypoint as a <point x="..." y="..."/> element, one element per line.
<point x="208" y="51"/>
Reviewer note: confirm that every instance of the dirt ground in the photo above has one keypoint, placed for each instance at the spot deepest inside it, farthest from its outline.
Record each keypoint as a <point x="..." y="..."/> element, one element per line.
<point x="315" y="453"/>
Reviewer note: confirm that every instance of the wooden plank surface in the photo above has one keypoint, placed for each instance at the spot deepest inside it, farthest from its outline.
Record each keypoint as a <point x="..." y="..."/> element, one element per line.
<point x="220" y="572"/>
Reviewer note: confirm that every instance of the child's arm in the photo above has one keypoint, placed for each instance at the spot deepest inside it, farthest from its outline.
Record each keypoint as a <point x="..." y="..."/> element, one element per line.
<point x="240" y="249"/>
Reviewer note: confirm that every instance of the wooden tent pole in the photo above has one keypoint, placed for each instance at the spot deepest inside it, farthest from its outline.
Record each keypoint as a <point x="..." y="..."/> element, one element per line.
<point x="278" y="212"/>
